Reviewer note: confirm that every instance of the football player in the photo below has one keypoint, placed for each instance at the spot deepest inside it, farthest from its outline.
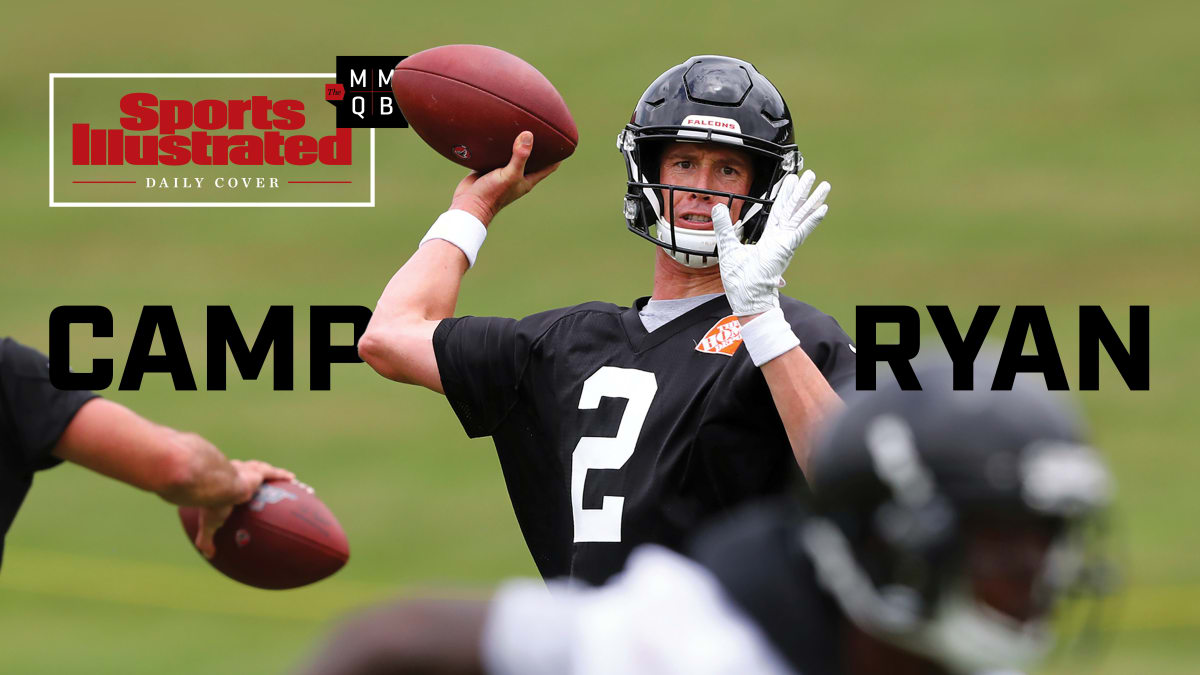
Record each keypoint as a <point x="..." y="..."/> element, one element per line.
<point x="40" y="426"/>
<point x="617" y="426"/>
<point x="942" y="530"/>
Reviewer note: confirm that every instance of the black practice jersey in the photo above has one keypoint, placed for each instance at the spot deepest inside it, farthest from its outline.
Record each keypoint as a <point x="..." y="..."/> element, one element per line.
<point x="609" y="436"/>
<point x="756" y="556"/>
<point x="33" y="414"/>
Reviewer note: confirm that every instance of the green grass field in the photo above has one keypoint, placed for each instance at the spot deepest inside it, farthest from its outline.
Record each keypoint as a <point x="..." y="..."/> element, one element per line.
<point x="1015" y="153"/>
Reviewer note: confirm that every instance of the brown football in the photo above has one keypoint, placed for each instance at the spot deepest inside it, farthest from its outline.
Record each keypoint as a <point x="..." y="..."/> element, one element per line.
<point x="469" y="102"/>
<point x="282" y="538"/>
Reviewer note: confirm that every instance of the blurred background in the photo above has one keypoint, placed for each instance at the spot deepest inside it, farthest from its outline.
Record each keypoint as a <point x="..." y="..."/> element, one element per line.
<point x="980" y="153"/>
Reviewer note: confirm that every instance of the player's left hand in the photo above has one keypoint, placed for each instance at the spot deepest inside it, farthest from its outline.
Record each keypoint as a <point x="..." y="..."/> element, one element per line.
<point x="753" y="273"/>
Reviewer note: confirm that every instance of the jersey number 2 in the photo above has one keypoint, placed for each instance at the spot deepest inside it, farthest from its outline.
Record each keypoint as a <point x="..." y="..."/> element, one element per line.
<point x="595" y="452"/>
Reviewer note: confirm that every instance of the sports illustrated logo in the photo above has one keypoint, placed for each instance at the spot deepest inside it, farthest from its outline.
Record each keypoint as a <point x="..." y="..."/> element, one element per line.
<point x="202" y="140"/>
<point x="145" y="112"/>
<point x="708" y="122"/>
<point x="462" y="151"/>
<point x="723" y="338"/>
<point x="269" y="494"/>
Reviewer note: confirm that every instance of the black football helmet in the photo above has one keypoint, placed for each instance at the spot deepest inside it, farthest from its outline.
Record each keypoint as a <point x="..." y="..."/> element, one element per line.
<point x="706" y="99"/>
<point x="905" y="484"/>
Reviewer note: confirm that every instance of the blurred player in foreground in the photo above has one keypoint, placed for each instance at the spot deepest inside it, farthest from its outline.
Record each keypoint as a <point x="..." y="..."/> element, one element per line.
<point x="40" y="426"/>
<point x="617" y="426"/>
<point x="943" y="528"/>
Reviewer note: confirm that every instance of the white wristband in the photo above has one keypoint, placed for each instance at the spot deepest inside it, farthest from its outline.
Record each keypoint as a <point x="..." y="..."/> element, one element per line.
<point x="769" y="335"/>
<point x="461" y="229"/>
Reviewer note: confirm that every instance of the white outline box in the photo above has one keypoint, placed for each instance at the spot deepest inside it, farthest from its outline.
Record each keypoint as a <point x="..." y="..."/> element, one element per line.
<point x="323" y="76"/>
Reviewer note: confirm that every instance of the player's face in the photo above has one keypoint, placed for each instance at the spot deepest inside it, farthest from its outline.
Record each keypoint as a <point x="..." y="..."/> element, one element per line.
<point x="1005" y="564"/>
<point x="708" y="166"/>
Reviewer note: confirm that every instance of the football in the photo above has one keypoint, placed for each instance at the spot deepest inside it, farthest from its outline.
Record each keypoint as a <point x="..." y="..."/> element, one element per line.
<point x="469" y="102"/>
<point x="282" y="538"/>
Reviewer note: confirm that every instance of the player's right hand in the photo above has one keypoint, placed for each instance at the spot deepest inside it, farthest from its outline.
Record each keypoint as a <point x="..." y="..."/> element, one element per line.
<point x="250" y="475"/>
<point x="483" y="195"/>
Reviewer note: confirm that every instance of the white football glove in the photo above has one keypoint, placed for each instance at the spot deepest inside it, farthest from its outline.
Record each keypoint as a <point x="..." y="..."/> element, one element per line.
<point x="753" y="273"/>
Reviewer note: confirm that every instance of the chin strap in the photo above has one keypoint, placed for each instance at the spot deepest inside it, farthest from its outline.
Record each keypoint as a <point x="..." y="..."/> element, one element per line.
<point x="695" y="240"/>
<point x="970" y="637"/>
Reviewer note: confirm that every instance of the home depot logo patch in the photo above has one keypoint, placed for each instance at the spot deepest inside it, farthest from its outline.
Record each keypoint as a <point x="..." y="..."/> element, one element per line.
<point x="722" y="338"/>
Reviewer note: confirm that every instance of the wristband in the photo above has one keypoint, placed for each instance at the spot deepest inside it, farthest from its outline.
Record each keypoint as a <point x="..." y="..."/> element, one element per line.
<point x="769" y="335"/>
<point x="461" y="229"/>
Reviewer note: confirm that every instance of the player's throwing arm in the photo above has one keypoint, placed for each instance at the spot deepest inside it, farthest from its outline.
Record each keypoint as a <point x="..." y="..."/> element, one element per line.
<point x="398" y="342"/>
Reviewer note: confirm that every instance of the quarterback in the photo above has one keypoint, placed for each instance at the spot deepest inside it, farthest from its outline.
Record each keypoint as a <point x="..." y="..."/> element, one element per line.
<point x="617" y="426"/>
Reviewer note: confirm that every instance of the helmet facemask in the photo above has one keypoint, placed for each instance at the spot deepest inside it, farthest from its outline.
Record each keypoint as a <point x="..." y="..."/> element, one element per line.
<point x="943" y="567"/>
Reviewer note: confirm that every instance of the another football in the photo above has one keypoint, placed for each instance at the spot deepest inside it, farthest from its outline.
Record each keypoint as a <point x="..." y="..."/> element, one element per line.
<point x="469" y="102"/>
<point x="282" y="538"/>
